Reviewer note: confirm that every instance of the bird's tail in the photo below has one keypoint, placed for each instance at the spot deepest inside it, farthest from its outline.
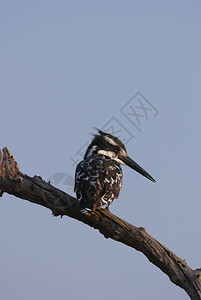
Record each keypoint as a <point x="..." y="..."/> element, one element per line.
<point x="86" y="207"/>
<point x="86" y="211"/>
<point x="89" y="206"/>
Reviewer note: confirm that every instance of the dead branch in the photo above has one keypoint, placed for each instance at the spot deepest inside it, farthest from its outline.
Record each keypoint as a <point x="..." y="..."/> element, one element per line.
<point x="36" y="190"/>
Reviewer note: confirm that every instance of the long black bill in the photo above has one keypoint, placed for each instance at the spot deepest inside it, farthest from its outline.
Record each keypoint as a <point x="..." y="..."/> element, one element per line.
<point x="132" y="164"/>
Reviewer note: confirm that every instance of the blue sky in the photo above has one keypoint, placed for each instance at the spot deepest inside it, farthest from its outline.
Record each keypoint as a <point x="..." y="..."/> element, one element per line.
<point x="69" y="66"/>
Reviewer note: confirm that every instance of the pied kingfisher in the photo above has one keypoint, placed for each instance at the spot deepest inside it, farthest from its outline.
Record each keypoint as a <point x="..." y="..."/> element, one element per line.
<point x="98" y="178"/>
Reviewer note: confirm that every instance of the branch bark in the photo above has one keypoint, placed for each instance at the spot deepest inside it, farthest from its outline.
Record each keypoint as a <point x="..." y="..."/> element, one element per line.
<point x="36" y="190"/>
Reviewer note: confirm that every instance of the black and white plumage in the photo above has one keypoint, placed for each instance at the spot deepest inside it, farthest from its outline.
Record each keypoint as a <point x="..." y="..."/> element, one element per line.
<point x="98" y="178"/>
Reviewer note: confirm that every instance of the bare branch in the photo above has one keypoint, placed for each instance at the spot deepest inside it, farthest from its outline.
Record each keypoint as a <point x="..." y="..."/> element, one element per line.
<point x="36" y="190"/>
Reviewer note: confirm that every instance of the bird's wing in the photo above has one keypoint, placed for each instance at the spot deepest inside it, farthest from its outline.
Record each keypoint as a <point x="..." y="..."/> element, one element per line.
<point x="89" y="180"/>
<point x="98" y="181"/>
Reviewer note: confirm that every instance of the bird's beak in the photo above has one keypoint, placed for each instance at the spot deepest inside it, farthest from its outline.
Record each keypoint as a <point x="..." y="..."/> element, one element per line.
<point x="133" y="165"/>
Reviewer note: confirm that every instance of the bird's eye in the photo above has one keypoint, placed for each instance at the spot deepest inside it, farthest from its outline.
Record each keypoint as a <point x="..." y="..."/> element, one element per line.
<point x="116" y="148"/>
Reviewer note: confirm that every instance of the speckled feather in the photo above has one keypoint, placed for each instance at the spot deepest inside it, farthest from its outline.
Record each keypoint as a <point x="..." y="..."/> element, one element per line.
<point x="98" y="181"/>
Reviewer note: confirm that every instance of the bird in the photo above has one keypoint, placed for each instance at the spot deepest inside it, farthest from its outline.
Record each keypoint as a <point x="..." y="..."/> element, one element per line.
<point x="98" y="177"/>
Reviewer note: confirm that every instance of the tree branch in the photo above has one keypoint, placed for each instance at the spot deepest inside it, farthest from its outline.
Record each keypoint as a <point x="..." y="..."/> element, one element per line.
<point x="36" y="190"/>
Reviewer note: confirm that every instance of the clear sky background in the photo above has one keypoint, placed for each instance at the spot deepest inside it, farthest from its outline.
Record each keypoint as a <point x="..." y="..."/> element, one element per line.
<point x="69" y="66"/>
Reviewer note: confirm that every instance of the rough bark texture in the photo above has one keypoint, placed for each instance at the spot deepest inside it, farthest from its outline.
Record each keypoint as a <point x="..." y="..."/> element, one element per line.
<point x="36" y="190"/>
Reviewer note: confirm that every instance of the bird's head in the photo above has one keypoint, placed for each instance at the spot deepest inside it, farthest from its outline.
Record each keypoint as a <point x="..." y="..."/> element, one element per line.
<point x="108" y="145"/>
